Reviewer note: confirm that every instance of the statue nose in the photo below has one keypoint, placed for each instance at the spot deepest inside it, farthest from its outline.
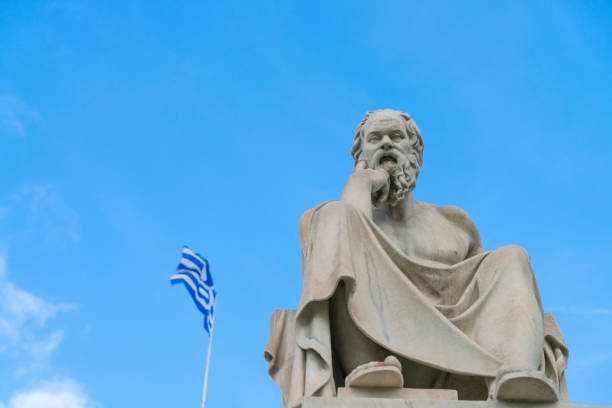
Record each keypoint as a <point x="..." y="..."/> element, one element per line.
<point x="386" y="142"/>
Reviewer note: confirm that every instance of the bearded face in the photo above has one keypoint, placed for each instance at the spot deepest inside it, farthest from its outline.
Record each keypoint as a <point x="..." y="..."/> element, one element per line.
<point x="387" y="145"/>
<point x="403" y="179"/>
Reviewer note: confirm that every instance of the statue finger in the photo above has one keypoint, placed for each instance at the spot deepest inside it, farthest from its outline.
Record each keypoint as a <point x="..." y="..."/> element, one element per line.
<point x="381" y="194"/>
<point x="385" y="192"/>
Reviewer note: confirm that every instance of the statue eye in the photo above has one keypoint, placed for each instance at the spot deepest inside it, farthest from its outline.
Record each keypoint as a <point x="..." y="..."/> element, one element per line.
<point x="397" y="136"/>
<point x="373" y="137"/>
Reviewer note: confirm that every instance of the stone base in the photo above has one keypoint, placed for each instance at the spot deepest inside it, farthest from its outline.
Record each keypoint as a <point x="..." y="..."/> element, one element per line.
<point x="397" y="393"/>
<point x="332" y="402"/>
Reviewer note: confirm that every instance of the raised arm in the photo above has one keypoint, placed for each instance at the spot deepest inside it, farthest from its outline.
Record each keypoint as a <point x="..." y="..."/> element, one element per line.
<point x="366" y="188"/>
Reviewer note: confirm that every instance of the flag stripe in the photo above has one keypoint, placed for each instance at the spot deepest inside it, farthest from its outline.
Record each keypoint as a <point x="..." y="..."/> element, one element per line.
<point x="194" y="279"/>
<point x="182" y="267"/>
<point x="189" y="252"/>
<point x="194" y="273"/>
<point x="200" y="302"/>
<point x="193" y="261"/>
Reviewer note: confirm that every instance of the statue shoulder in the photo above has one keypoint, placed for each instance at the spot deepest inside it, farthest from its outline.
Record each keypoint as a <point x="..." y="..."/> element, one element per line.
<point x="461" y="219"/>
<point x="455" y="213"/>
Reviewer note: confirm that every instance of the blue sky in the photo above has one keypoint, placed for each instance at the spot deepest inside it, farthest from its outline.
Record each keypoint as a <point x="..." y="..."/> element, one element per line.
<point x="129" y="129"/>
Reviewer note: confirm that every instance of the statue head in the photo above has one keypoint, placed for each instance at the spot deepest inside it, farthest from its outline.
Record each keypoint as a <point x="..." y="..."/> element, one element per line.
<point x="390" y="140"/>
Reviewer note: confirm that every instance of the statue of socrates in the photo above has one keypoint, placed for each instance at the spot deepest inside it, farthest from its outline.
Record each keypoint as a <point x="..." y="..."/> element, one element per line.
<point x="387" y="275"/>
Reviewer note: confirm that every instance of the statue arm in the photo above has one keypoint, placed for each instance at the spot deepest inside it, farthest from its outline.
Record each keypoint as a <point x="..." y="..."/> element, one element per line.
<point x="364" y="186"/>
<point x="357" y="193"/>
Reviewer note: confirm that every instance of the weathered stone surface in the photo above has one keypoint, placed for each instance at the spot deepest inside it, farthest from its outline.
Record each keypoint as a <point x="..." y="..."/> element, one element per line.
<point x="377" y="374"/>
<point x="515" y="386"/>
<point x="385" y="274"/>
<point x="398" y="393"/>
<point x="330" y="402"/>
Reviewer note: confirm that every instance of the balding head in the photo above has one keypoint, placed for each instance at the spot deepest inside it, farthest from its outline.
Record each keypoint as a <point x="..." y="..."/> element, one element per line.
<point x="388" y="115"/>
<point x="390" y="140"/>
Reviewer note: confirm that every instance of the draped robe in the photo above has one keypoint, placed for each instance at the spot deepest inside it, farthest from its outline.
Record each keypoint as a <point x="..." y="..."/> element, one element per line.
<point x="435" y="316"/>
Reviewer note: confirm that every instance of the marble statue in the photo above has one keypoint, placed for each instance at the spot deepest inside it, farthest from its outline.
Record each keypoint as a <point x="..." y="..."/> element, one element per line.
<point x="399" y="293"/>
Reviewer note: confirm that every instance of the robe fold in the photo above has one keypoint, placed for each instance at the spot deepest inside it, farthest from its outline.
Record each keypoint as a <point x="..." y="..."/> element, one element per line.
<point x="438" y="316"/>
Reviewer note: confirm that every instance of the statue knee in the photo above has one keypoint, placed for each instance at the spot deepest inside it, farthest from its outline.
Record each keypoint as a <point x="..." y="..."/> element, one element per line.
<point x="514" y="254"/>
<point x="516" y="272"/>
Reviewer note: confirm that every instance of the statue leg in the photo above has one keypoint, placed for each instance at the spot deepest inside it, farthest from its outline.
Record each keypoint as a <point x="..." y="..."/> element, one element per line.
<point x="350" y="345"/>
<point x="352" y="348"/>
<point x="506" y="319"/>
<point x="508" y="322"/>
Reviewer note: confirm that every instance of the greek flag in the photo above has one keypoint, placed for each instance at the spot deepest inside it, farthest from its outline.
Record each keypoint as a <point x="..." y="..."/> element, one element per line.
<point x="194" y="273"/>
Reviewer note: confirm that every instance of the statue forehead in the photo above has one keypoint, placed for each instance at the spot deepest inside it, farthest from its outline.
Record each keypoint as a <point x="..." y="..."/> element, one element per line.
<point x="384" y="120"/>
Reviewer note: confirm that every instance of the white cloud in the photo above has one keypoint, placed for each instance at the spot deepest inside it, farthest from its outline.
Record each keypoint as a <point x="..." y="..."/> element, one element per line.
<point x="596" y="359"/>
<point x="28" y="338"/>
<point x="15" y="114"/>
<point x="38" y="211"/>
<point x="23" y="313"/>
<point x="46" y="346"/>
<point x="25" y="340"/>
<point x="582" y="310"/>
<point x="24" y="336"/>
<point x="65" y="393"/>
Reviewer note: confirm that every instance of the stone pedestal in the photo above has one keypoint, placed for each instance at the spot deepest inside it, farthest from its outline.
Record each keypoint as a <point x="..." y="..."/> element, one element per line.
<point x="397" y="393"/>
<point x="330" y="402"/>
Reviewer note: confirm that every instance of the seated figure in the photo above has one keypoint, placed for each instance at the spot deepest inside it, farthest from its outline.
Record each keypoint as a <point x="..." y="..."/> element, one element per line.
<point x="386" y="275"/>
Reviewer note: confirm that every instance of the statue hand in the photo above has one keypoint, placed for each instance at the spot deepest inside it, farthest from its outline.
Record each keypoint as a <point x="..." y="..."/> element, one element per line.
<point x="378" y="181"/>
<point x="380" y="186"/>
<point x="366" y="188"/>
<point x="374" y="183"/>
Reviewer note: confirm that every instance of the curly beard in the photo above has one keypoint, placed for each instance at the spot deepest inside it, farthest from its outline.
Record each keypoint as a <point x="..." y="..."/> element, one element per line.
<point x="402" y="179"/>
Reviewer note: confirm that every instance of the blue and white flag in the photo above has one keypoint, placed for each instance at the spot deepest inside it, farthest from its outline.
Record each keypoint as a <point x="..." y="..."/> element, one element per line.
<point x="193" y="271"/>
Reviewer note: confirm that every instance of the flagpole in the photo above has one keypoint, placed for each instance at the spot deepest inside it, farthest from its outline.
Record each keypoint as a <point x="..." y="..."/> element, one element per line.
<point x="212" y="329"/>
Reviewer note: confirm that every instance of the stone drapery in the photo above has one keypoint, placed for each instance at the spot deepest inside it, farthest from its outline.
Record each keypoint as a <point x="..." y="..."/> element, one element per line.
<point x="440" y="317"/>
